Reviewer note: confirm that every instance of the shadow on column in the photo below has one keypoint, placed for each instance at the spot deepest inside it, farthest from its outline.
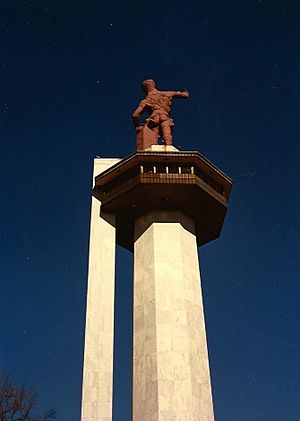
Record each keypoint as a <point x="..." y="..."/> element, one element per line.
<point x="122" y="381"/>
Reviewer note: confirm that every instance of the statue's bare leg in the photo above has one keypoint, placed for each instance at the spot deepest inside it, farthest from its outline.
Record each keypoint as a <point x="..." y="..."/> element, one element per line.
<point x="166" y="132"/>
<point x="155" y="136"/>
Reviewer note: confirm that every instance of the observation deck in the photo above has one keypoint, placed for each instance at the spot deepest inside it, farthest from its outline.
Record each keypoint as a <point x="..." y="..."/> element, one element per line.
<point x="183" y="181"/>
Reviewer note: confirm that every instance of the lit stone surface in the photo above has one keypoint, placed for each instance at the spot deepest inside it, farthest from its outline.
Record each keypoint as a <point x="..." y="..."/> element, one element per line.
<point x="162" y="148"/>
<point x="171" y="378"/>
<point x="98" y="350"/>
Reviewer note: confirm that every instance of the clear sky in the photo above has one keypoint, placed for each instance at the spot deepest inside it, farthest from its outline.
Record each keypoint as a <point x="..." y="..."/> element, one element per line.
<point x="70" y="79"/>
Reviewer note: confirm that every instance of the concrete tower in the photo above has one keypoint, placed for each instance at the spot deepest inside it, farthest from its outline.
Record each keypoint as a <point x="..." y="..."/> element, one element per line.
<point x="160" y="204"/>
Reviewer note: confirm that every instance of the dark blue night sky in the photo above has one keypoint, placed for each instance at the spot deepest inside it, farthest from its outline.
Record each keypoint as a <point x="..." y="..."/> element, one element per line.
<point x="70" y="74"/>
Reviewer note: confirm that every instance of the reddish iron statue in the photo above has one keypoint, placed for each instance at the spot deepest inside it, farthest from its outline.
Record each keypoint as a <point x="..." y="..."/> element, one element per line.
<point x="159" y="123"/>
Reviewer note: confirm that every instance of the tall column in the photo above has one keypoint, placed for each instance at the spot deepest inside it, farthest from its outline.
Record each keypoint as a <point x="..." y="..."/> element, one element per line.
<point x="99" y="330"/>
<point x="171" y="378"/>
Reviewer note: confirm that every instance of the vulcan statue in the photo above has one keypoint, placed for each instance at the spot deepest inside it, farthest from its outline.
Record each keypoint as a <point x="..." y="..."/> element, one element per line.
<point x="159" y="124"/>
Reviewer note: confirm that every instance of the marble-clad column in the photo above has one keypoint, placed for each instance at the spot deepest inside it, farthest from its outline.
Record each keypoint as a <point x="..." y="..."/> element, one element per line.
<point x="99" y="330"/>
<point x="171" y="378"/>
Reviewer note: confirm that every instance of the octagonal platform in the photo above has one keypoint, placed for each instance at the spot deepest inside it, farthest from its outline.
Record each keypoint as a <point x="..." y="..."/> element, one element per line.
<point x="184" y="181"/>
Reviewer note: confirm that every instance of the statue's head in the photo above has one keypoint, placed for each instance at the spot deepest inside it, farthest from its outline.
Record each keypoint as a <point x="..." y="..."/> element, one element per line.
<point x="148" y="85"/>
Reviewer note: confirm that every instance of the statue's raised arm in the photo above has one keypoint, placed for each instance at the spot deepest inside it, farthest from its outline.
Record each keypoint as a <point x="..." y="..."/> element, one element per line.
<point x="158" y="124"/>
<point x="177" y="94"/>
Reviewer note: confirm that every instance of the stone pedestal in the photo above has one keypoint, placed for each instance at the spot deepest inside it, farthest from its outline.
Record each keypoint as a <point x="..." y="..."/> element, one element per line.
<point x="171" y="378"/>
<point x="99" y="331"/>
<point x="162" y="148"/>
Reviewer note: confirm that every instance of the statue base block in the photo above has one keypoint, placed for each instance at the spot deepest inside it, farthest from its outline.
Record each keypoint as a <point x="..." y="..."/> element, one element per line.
<point x="161" y="148"/>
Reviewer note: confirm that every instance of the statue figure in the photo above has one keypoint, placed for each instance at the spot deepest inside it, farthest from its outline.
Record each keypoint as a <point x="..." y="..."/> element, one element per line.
<point x="159" y="124"/>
